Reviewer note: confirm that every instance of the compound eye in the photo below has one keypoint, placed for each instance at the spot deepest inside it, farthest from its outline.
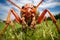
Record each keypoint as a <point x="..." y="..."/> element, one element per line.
<point x="31" y="8"/>
<point x="22" y="7"/>
<point x="34" y="6"/>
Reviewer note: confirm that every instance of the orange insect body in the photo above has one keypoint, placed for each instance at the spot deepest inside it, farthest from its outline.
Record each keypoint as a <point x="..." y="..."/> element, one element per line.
<point x="28" y="10"/>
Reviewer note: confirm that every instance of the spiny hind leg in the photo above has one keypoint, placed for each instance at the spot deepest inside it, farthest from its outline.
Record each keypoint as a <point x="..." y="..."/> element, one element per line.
<point x="8" y="21"/>
<point x="41" y="18"/>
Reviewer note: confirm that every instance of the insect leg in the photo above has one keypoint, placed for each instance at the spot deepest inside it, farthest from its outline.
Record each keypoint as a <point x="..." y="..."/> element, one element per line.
<point x="41" y="18"/>
<point x="9" y="21"/>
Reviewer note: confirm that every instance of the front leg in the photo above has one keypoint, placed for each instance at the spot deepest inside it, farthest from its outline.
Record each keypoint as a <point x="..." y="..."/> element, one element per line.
<point x="24" y="24"/>
<point x="33" y="23"/>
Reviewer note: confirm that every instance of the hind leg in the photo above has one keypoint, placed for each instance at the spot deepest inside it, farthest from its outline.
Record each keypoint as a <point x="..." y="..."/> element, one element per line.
<point x="8" y="21"/>
<point x="41" y="18"/>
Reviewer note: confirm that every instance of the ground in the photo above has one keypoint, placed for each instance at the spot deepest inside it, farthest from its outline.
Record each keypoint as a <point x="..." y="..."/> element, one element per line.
<point x="42" y="32"/>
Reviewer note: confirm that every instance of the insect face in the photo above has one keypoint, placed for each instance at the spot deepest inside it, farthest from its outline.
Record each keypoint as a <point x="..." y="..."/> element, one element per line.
<point x="29" y="8"/>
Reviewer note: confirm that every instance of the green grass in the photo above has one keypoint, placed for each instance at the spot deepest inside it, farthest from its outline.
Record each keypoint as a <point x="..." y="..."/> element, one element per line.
<point x="42" y="32"/>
